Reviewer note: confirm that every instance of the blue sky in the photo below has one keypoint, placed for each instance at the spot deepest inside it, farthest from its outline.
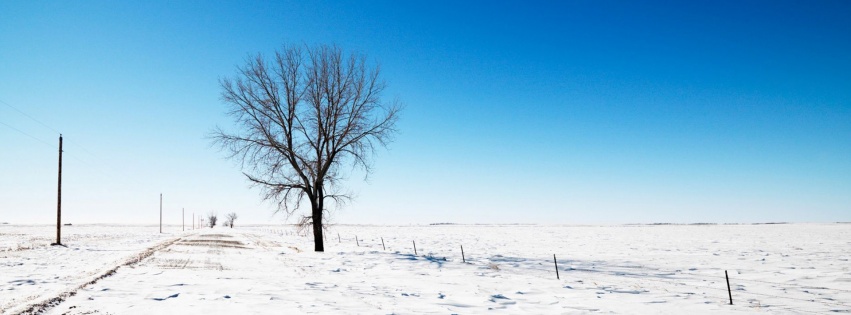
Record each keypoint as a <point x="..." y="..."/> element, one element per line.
<point x="574" y="112"/>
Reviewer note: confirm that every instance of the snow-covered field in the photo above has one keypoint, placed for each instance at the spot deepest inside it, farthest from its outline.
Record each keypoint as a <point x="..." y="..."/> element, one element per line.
<point x="671" y="269"/>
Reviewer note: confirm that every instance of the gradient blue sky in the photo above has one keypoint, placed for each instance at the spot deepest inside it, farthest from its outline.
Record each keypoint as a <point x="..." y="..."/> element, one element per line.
<point x="574" y="112"/>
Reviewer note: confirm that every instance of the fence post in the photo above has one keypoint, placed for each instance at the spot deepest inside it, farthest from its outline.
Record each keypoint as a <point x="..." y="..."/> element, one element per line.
<point x="556" y="263"/>
<point x="338" y="238"/>
<point x="382" y="244"/>
<point x="730" y="293"/>
<point x="462" y="254"/>
<point x="356" y="241"/>
<point x="415" y="247"/>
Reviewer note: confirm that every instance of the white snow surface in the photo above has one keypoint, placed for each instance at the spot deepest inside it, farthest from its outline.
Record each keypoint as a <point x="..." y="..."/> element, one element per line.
<point x="631" y="269"/>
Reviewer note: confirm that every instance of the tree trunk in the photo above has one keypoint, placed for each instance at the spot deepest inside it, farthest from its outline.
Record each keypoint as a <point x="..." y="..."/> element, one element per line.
<point x="317" y="226"/>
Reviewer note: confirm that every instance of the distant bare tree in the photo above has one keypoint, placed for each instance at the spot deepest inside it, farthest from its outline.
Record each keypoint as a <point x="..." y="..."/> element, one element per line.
<point x="230" y="218"/>
<point x="302" y="117"/>
<point x="212" y="219"/>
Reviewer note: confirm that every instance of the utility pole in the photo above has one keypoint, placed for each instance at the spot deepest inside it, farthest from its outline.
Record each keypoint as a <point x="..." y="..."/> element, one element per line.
<point x="183" y="219"/>
<point x="193" y="220"/>
<point x="161" y="213"/>
<point x="59" y="198"/>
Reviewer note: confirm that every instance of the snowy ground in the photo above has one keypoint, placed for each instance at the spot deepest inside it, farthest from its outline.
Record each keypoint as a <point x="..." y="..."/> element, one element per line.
<point x="782" y="269"/>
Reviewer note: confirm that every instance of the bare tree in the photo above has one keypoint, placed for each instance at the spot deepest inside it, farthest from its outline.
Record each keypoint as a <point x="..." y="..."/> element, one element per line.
<point x="212" y="219"/>
<point x="230" y="218"/>
<point x="301" y="118"/>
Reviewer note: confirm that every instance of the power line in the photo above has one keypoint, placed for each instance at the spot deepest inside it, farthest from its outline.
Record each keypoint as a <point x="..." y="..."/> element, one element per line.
<point x="43" y="142"/>
<point x="28" y="135"/>
<point x="73" y="156"/>
<point x="74" y="143"/>
<point x="28" y="116"/>
<point x="77" y="145"/>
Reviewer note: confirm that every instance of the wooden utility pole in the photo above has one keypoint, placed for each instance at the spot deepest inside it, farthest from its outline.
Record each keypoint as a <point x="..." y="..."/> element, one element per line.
<point x="193" y="220"/>
<point x="59" y="198"/>
<point x="183" y="219"/>
<point x="161" y="213"/>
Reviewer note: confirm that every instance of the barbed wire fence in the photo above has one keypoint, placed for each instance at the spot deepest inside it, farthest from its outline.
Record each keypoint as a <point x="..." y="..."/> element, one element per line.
<point x="641" y="278"/>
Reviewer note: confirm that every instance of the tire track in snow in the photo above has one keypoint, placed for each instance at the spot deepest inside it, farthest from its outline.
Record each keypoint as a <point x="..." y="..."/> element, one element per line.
<point x="44" y="304"/>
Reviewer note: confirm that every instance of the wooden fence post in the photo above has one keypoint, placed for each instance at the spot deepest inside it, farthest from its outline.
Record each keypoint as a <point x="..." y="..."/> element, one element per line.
<point x="729" y="293"/>
<point x="556" y="263"/>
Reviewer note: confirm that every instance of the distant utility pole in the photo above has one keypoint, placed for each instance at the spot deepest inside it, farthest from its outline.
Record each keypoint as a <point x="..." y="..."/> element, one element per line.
<point x="183" y="219"/>
<point x="59" y="199"/>
<point x="193" y="220"/>
<point x="161" y="213"/>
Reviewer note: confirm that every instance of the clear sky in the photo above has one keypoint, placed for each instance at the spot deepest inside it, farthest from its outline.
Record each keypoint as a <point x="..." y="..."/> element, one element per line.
<point x="569" y="112"/>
